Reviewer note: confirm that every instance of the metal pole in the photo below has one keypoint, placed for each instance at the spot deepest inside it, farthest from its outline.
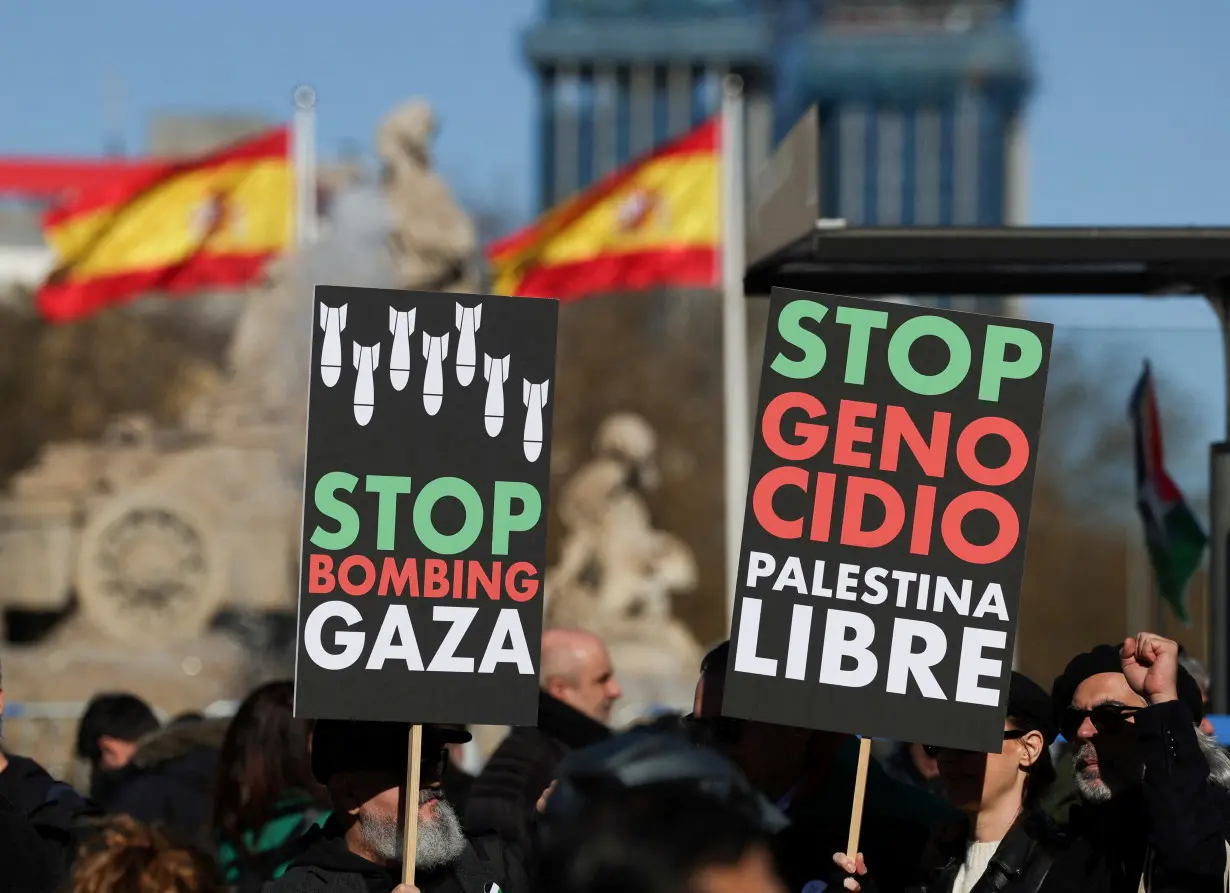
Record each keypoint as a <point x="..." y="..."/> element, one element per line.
<point x="1219" y="533"/>
<point x="305" y="165"/>
<point x="734" y="329"/>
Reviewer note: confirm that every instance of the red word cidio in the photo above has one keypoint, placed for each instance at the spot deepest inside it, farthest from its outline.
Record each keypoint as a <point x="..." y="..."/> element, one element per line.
<point x="849" y="442"/>
<point x="356" y="575"/>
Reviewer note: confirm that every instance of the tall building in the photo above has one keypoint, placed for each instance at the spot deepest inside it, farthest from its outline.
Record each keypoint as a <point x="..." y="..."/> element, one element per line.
<point x="920" y="101"/>
<point x="619" y="77"/>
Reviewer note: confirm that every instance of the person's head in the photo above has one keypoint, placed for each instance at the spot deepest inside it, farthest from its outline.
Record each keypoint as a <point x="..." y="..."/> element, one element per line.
<point x="576" y="669"/>
<point x="1197" y="671"/>
<point x="1096" y="709"/>
<point x="658" y="839"/>
<point x="263" y="756"/>
<point x="1020" y="772"/>
<point x="773" y="757"/>
<point x="111" y="728"/>
<point x="127" y="856"/>
<point x="363" y="766"/>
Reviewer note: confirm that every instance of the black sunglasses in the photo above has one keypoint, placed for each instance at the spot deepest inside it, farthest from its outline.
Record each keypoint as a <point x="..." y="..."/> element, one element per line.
<point x="1105" y="718"/>
<point x="933" y="750"/>
<point x="712" y="730"/>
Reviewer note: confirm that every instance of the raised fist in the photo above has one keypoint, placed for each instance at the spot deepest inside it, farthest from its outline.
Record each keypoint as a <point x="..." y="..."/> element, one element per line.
<point x="1151" y="667"/>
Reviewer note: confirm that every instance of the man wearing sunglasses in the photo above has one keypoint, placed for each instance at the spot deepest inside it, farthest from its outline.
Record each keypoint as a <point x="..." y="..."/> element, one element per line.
<point x="810" y="777"/>
<point x="1155" y="791"/>
<point x="361" y="847"/>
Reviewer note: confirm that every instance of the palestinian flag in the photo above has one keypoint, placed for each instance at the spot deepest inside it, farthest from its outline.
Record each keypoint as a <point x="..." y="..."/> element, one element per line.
<point x="1174" y="537"/>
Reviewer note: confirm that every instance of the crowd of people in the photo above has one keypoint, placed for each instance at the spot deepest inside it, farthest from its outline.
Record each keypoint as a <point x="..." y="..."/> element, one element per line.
<point x="1110" y="781"/>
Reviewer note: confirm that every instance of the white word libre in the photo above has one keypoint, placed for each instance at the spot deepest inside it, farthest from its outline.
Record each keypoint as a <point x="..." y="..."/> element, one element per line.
<point x="396" y="640"/>
<point x="904" y="662"/>
<point x="930" y="593"/>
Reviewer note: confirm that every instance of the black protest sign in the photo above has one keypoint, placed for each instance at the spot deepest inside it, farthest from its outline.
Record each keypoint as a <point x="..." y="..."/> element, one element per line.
<point x="884" y="536"/>
<point x="425" y="497"/>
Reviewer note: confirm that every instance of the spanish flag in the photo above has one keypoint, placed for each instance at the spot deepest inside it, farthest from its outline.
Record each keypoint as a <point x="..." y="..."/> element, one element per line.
<point x="173" y="228"/>
<point x="655" y="223"/>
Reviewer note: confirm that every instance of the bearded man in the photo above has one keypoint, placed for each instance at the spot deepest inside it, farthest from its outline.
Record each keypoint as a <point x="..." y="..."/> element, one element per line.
<point x="361" y="847"/>
<point x="1155" y="790"/>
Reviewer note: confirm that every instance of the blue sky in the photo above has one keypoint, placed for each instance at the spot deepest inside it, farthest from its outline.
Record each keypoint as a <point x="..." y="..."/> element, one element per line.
<point x="1129" y="125"/>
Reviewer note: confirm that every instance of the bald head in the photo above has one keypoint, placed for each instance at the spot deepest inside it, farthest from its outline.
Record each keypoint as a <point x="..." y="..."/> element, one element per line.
<point x="576" y="669"/>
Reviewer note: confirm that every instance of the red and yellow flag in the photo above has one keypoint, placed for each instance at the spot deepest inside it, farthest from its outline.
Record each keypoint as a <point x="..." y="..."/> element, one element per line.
<point x="652" y="224"/>
<point x="174" y="228"/>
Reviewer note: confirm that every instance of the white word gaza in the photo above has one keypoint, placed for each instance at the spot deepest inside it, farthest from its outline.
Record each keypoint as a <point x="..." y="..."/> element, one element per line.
<point x="846" y="659"/>
<point x="396" y="640"/>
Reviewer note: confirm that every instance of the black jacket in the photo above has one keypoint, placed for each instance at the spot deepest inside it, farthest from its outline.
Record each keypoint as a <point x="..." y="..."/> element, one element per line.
<point x="43" y="819"/>
<point x="1177" y="814"/>
<point x="897" y="822"/>
<point x="505" y="794"/>
<point x="325" y="865"/>
<point x="171" y="780"/>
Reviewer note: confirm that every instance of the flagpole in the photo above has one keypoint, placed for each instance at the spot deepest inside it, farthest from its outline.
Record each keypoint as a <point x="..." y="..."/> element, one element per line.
<point x="305" y="165"/>
<point x="734" y="329"/>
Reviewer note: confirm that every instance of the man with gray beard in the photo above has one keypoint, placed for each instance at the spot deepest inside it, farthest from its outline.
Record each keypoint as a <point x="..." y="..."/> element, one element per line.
<point x="1155" y="791"/>
<point x="360" y="848"/>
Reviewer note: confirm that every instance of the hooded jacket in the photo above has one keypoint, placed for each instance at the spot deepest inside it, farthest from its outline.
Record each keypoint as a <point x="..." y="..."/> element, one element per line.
<point x="325" y="865"/>
<point x="505" y="794"/>
<point x="171" y="779"/>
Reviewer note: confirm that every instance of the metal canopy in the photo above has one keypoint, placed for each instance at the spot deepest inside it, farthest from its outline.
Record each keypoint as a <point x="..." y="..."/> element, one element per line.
<point x="788" y="245"/>
<point x="998" y="260"/>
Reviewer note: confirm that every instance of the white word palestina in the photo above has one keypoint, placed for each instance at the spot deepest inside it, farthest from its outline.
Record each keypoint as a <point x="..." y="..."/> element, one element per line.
<point x="923" y="592"/>
<point x="396" y="640"/>
<point x="369" y="359"/>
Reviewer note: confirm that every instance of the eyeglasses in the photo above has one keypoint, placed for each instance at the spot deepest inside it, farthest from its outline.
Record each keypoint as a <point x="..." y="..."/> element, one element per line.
<point x="1105" y="718"/>
<point x="712" y="730"/>
<point x="933" y="750"/>
<point x="432" y="761"/>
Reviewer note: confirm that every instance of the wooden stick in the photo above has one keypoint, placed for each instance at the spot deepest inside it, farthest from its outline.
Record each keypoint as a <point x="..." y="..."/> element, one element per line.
<point x="860" y="790"/>
<point x="412" y="804"/>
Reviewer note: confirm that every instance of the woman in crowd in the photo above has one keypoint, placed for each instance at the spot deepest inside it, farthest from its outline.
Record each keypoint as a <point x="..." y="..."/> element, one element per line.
<point x="1007" y="837"/>
<point x="266" y="796"/>
<point x="127" y="856"/>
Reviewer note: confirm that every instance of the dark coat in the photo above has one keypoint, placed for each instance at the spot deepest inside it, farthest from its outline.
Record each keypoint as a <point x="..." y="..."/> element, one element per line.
<point x="325" y="865"/>
<point x="505" y="794"/>
<point x="43" y="822"/>
<point x="897" y="822"/>
<point x="171" y="780"/>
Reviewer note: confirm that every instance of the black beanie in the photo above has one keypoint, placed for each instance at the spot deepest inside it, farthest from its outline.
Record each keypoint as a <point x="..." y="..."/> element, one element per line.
<point x="1106" y="659"/>
<point x="361" y="745"/>
<point x="1029" y="706"/>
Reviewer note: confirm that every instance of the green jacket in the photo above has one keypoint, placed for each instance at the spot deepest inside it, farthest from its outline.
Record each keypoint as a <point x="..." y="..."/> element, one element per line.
<point x="264" y="855"/>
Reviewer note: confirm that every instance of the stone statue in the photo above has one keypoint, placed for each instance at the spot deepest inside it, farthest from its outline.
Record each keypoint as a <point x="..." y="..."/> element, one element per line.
<point x="157" y="530"/>
<point x="434" y="242"/>
<point x="616" y="574"/>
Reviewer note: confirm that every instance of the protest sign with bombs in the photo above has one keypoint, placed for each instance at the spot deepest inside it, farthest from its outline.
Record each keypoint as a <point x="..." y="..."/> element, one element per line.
<point x="884" y="535"/>
<point x="424" y="523"/>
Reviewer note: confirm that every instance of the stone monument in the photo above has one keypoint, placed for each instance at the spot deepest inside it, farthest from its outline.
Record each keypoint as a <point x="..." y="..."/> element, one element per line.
<point x="617" y="574"/>
<point x="157" y="530"/>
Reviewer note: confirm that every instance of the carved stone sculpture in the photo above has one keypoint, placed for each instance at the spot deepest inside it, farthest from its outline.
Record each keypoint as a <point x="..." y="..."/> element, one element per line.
<point x="157" y="530"/>
<point x="617" y="574"/>
<point x="434" y="242"/>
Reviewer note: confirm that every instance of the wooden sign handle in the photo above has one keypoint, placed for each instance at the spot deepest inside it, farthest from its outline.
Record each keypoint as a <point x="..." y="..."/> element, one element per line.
<point x="412" y="805"/>
<point x="860" y="791"/>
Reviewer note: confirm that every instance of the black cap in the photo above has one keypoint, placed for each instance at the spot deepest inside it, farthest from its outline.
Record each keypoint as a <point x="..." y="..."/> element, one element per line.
<point x="1029" y="706"/>
<point x="647" y="757"/>
<point x="347" y="745"/>
<point x="1106" y="659"/>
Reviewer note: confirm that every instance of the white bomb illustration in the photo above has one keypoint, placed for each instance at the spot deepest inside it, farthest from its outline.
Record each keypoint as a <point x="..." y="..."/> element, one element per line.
<point x="435" y="351"/>
<point x="496" y="373"/>
<point x="366" y="361"/>
<point x="333" y="321"/>
<point x="534" y="396"/>
<point x="401" y="324"/>
<point x="468" y="321"/>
